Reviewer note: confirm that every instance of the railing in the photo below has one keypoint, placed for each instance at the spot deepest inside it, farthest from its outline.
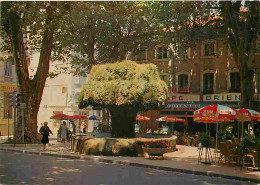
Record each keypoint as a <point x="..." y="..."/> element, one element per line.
<point x="180" y="90"/>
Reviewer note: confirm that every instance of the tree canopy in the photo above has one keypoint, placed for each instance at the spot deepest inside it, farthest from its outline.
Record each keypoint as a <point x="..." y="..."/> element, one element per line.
<point x="99" y="32"/>
<point x="125" y="88"/>
<point x="124" y="84"/>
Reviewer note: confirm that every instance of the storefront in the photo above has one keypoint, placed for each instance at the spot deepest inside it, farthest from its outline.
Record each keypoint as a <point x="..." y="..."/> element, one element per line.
<point x="5" y="110"/>
<point x="184" y="105"/>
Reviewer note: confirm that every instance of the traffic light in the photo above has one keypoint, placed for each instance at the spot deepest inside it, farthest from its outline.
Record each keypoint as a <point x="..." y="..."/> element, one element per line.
<point x="17" y="99"/>
<point x="11" y="99"/>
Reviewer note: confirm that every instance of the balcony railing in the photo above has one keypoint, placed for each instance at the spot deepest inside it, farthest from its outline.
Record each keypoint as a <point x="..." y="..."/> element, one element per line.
<point x="185" y="90"/>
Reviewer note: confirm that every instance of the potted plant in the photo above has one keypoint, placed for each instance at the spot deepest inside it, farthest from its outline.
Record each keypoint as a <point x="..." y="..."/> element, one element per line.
<point x="156" y="148"/>
<point x="204" y="139"/>
<point x="249" y="141"/>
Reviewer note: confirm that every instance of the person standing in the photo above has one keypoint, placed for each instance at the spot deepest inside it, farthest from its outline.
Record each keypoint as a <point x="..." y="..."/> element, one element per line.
<point x="64" y="132"/>
<point x="45" y="131"/>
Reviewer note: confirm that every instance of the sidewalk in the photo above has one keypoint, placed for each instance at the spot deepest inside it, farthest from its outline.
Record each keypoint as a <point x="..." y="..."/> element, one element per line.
<point x="184" y="160"/>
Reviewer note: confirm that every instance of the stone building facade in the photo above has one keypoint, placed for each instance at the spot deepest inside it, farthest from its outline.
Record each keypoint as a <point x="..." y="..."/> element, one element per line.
<point x="207" y="75"/>
<point x="7" y="86"/>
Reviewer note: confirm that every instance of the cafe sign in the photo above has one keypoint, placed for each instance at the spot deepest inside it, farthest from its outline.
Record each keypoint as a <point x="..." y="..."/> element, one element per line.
<point x="222" y="97"/>
<point x="184" y="97"/>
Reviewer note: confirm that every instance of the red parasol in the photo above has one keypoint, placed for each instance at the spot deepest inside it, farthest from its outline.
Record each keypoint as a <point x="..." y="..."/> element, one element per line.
<point x="216" y="112"/>
<point x="247" y="115"/>
<point x="78" y="117"/>
<point x="60" y="117"/>
<point x="142" y="118"/>
<point x="170" y="119"/>
<point x="211" y="119"/>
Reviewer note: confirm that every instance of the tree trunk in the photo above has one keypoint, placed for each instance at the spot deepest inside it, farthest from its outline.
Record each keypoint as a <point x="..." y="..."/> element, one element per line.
<point x="242" y="37"/>
<point x="247" y="87"/>
<point x="123" y="122"/>
<point x="30" y="123"/>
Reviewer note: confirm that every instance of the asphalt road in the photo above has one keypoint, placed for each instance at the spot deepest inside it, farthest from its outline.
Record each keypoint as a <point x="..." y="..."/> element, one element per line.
<point x="20" y="168"/>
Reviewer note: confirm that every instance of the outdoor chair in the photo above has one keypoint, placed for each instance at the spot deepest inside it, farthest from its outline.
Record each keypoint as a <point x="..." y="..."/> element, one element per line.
<point x="248" y="157"/>
<point x="228" y="152"/>
<point x="237" y="141"/>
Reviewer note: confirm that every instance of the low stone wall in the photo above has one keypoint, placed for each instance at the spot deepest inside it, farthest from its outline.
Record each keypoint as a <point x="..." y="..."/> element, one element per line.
<point x="113" y="146"/>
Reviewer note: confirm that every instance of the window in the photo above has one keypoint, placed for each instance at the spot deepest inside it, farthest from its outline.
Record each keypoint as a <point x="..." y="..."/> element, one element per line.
<point x="182" y="83"/>
<point x="208" y="81"/>
<point x="8" y="69"/>
<point x="234" y="82"/>
<point x="208" y="48"/>
<point x="161" y="53"/>
<point x="7" y="108"/>
<point x="64" y="89"/>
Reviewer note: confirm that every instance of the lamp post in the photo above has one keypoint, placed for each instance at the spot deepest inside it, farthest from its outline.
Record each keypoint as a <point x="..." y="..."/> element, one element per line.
<point x="8" y="124"/>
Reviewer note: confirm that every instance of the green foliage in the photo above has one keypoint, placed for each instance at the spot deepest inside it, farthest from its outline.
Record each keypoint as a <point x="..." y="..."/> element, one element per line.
<point x="124" y="84"/>
<point x="183" y="23"/>
<point x="249" y="141"/>
<point x="226" y="135"/>
<point x="204" y="139"/>
<point x="98" y="32"/>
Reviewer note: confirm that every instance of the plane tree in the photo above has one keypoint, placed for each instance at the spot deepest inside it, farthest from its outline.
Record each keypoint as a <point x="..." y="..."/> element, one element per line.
<point x="28" y="27"/>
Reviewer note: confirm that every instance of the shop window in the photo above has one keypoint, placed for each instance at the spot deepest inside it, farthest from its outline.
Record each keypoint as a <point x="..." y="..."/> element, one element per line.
<point x="161" y="53"/>
<point x="208" y="82"/>
<point x="7" y="108"/>
<point x="8" y="69"/>
<point x="209" y="48"/>
<point x="183" y="83"/>
<point x="234" y="82"/>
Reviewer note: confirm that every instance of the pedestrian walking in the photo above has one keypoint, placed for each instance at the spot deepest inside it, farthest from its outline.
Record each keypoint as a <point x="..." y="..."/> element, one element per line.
<point x="64" y="132"/>
<point x="45" y="131"/>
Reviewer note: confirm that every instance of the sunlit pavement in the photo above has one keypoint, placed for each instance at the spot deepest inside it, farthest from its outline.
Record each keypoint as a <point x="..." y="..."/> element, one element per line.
<point x="19" y="168"/>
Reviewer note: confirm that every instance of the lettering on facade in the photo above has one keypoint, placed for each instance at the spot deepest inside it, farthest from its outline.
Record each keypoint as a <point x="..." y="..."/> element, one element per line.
<point x="222" y="97"/>
<point x="184" y="97"/>
<point x="183" y="106"/>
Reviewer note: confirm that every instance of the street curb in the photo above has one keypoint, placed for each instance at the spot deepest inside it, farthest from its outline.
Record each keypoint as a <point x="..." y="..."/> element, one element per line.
<point x="21" y="145"/>
<point x="122" y="162"/>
